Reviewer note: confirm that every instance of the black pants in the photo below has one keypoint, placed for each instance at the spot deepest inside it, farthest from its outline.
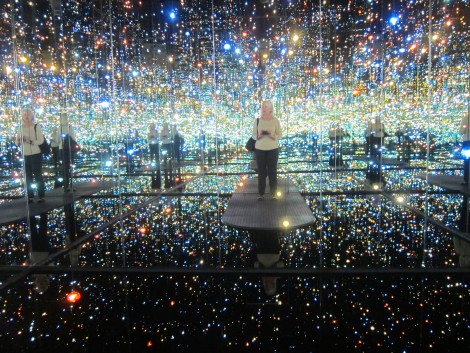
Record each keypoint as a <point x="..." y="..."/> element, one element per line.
<point x="267" y="167"/>
<point x="67" y="159"/>
<point x="376" y="145"/>
<point x="154" y="150"/>
<point x="167" y="152"/>
<point x="33" y="173"/>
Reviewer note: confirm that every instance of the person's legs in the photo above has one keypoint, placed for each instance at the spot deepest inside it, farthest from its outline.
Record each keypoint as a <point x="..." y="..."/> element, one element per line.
<point x="66" y="168"/>
<point x="261" y="161"/>
<point x="37" y="173"/>
<point x="28" y="171"/>
<point x="272" y="158"/>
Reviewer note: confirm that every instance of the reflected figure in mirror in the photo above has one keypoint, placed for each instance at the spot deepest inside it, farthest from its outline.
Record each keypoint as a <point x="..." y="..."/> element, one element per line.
<point x="55" y="154"/>
<point x="40" y="250"/>
<point x="336" y="135"/>
<point x="465" y="133"/>
<point x="67" y="150"/>
<point x="177" y="144"/>
<point x="268" y="255"/>
<point x="154" y="156"/>
<point x="167" y="153"/>
<point x="28" y="138"/>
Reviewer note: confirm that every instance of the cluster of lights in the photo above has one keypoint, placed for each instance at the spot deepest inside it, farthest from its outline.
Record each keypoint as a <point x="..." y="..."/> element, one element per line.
<point x="185" y="230"/>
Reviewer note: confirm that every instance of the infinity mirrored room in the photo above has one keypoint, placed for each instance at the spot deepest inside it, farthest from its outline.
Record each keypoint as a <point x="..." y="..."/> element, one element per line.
<point x="133" y="218"/>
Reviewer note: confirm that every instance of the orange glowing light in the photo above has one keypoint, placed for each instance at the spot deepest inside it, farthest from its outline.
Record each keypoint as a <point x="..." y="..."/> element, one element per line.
<point x="245" y="34"/>
<point x="73" y="297"/>
<point x="143" y="230"/>
<point x="356" y="92"/>
<point x="149" y="344"/>
<point x="168" y="210"/>
<point x="240" y="184"/>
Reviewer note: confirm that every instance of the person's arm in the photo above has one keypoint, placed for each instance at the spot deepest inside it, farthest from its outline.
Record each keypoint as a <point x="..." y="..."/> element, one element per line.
<point x="277" y="131"/>
<point x="38" y="137"/>
<point x="72" y="133"/>
<point x="255" y="130"/>
<point x="18" y="139"/>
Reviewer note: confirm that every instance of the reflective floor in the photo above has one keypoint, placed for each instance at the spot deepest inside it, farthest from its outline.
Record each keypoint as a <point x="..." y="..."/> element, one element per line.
<point x="160" y="271"/>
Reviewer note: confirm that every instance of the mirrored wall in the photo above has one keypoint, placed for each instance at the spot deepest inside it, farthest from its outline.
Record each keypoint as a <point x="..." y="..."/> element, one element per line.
<point x="147" y="107"/>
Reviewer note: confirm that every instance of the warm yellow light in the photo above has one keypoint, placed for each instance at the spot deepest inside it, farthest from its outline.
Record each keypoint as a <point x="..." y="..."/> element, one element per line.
<point x="9" y="70"/>
<point x="23" y="59"/>
<point x="400" y="199"/>
<point x="285" y="223"/>
<point x="278" y="194"/>
<point x="295" y="38"/>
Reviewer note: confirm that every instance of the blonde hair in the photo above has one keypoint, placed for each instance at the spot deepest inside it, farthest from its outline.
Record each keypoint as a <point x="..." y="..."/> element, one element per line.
<point x="268" y="104"/>
<point x="26" y="112"/>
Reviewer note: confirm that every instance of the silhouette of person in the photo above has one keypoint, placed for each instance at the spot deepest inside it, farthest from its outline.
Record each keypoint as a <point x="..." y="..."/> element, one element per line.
<point x="465" y="133"/>
<point x="67" y="149"/>
<point x="29" y="137"/>
<point x="154" y="155"/>
<point x="268" y="256"/>
<point x="267" y="132"/>
<point x="40" y="249"/>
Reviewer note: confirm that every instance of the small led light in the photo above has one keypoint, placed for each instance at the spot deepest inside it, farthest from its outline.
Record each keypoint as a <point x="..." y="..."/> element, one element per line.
<point x="285" y="223"/>
<point x="73" y="297"/>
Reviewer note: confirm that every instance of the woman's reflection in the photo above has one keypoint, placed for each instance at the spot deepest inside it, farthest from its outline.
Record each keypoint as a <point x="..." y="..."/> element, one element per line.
<point x="268" y="256"/>
<point x="40" y="249"/>
<point x="462" y="246"/>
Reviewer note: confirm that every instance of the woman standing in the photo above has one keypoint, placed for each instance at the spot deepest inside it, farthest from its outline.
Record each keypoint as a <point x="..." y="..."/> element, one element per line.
<point x="29" y="137"/>
<point x="67" y="149"/>
<point x="267" y="132"/>
<point x="154" y="150"/>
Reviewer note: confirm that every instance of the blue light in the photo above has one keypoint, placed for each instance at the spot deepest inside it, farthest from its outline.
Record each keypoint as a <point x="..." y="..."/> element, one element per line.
<point x="393" y="21"/>
<point x="227" y="46"/>
<point x="466" y="153"/>
<point x="172" y="15"/>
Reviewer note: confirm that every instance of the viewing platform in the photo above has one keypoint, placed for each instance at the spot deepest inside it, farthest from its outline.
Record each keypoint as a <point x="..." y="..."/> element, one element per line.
<point x="289" y="211"/>
<point x="18" y="209"/>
